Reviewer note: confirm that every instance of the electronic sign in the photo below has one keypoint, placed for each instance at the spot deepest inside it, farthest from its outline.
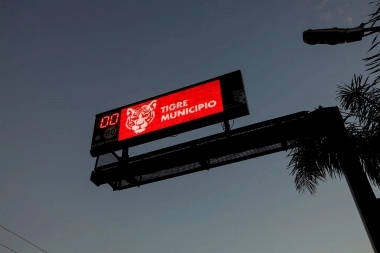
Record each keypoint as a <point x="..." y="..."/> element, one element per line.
<point x="209" y="102"/>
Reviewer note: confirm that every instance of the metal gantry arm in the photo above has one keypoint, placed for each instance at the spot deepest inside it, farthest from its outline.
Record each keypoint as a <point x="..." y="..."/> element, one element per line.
<point x="245" y="143"/>
<point x="205" y="153"/>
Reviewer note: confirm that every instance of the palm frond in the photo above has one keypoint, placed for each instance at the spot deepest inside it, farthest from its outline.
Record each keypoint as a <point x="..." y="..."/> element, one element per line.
<point x="373" y="19"/>
<point x="373" y="45"/>
<point x="311" y="162"/>
<point x="362" y="100"/>
<point x="368" y="146"/>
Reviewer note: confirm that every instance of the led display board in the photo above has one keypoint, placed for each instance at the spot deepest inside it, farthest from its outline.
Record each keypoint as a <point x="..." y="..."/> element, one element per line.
<point x="209" y="102"/>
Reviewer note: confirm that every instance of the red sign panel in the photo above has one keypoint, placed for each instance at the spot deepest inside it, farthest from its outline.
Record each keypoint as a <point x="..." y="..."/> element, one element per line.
<point x="176" y="108"/>
<point x="202" y="104"/>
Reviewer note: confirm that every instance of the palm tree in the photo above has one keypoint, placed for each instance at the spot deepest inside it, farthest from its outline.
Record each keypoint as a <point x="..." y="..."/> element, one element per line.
<point x="314" y="159"/>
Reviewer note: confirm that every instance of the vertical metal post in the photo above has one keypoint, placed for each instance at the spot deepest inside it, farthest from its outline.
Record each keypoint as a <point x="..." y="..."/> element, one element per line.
<point x="96" y="163"/>
<point x="357" y="180"/>
<point x="123" y="162"/>
<point x="227" y="127"/>
<point x="124" y="157"/>
<point x="123" y="169"/>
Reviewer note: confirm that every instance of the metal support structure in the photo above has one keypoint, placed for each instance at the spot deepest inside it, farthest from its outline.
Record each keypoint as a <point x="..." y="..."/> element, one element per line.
<point x="205" y="163"/>
<point x="124" y="157"/>
<point x="96" y="163"/>
<point x="269" y="137"/>
<point x="362" y="193"/>
<point x="245" y="143"/>
<point x="227" y="126"/>
<point x="123" y="170"/>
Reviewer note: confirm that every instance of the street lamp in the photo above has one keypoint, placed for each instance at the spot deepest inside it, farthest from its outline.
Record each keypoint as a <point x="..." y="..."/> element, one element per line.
<point x="334" y="36"/>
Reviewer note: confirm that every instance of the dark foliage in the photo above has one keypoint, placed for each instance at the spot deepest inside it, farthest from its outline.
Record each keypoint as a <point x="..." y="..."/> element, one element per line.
<point x="312" y="161"/>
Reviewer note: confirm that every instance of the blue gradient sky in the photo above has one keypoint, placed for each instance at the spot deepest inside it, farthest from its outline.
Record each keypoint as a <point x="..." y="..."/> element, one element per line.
<point x="62" y="62"/>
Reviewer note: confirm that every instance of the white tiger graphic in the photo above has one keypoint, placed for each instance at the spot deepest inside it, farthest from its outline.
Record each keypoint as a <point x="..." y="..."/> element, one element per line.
<point x="138" y="119"/>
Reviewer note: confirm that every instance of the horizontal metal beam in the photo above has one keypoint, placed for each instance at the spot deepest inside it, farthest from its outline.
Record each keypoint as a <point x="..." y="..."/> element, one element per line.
<point x="213" y="151"/>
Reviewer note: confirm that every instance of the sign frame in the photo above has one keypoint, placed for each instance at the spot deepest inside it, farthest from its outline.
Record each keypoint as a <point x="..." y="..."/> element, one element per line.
<point x="234" y="106"/>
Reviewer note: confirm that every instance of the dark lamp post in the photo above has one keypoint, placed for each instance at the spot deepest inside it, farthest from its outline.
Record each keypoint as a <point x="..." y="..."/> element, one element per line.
<point x="334" y="36"/>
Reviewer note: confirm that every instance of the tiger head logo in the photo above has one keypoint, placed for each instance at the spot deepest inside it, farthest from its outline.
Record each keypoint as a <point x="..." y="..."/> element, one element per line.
<point x="139" y="118"/>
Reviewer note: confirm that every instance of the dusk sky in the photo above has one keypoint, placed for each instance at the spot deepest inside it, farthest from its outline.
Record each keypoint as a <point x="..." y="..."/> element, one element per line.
<point x="63" y="62"/>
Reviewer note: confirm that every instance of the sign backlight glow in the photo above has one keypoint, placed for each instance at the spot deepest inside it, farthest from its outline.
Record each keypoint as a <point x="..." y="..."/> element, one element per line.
<point x="173" y="109"/>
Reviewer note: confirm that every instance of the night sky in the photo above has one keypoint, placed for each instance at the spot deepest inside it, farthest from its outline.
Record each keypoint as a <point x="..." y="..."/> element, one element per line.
<point x="63" y="62"/>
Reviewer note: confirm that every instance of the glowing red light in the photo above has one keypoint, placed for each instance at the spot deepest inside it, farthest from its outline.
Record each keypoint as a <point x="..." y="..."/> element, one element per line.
<point x="109" y="120"/>
<point x="176" y="108"/>
<point x="104" y="121"/>
<point x="114" y="119"/>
